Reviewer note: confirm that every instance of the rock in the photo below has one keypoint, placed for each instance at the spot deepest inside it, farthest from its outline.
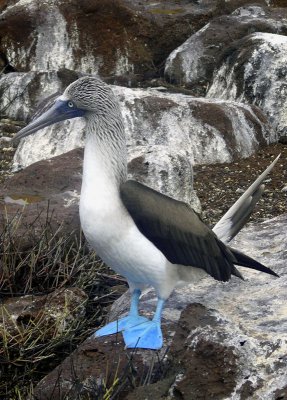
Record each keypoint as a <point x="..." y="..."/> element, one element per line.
<point x="282" y="139"/>
<point x="5" y="66"/>
<point x="193" y="63"/>
<point x="209" y="361"/>
<point x="60" y="311"/>
<point x="202" y="131"/>
<point x="44" y="193"/>
<point x="227" y="340"/>
<point x="22" y="92"/>
<point x="125" y="38"/>
<point x="8" y="128"/>
<point x="254" y="72"/>
<point x="113" y="38"/>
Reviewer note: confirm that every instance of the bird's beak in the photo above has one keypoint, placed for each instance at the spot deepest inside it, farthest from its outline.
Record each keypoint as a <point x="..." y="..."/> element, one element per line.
<point x="60" y="111"/>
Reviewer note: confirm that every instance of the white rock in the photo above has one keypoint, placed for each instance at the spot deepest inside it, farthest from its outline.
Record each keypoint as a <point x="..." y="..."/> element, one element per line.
<point x="260" y="79"/>
<point x="205" y="130"/>
<point x="20" y="92"/>
<point x="193" y="63"/>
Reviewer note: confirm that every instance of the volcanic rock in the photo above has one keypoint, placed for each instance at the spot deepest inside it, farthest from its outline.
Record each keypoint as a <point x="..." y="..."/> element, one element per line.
<point x="202" y="130"/>
<point x="254" y="72"/>
<point x="44" y="193"/>
<point x="193" y="63"/>
<point x="225" y="340"/>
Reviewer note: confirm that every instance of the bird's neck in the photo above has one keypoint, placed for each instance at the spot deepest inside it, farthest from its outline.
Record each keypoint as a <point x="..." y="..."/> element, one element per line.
<point x="105" y="159"/>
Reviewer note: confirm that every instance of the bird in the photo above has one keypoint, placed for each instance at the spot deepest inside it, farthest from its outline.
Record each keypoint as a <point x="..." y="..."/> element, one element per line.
<point x="142" y="234"/>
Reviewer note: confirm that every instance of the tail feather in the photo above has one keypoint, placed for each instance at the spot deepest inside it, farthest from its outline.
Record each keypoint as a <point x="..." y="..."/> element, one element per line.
<point x="236" y="217"/>
<point x="248" y="262"/>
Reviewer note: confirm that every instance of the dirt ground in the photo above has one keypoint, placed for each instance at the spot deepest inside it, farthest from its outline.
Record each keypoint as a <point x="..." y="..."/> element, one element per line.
<point x="219" y="186"/>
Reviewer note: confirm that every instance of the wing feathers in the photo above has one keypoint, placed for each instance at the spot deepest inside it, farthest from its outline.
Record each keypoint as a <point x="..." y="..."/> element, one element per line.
<point x="178" y="232"/>
<point x="248" y="262"/>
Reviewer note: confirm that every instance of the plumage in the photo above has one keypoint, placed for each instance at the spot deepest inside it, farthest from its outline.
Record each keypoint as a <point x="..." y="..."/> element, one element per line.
<point x="177" y="231"/>
<point x="149" y="238"/>
<point x="236" y="217"/>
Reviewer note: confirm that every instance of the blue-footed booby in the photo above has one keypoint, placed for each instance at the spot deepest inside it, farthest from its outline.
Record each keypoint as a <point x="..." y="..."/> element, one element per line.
<point x="149" y="238"/>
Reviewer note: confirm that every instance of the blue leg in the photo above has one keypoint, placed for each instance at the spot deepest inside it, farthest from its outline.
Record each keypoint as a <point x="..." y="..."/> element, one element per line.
<point x="132" y="319"/>
<point x="147" y="335"/>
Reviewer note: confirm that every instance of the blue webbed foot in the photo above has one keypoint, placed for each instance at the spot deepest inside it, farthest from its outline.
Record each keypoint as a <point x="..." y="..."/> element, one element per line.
<point x="144" y="336"/>
<point x="120" y="324"/>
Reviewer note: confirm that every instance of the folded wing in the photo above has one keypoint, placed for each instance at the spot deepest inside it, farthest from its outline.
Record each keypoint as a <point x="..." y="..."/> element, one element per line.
<point x="179" y="233"/>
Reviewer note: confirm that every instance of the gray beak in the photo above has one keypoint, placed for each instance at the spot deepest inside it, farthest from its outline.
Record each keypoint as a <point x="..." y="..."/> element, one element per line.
<point x="60" y="111"/>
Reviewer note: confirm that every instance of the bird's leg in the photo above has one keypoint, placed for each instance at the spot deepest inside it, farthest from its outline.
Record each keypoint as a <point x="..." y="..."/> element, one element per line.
<point x="134" y="308"/>
<point x="132" y="319"/>
<point x="158" y="311"/>
<point x="147" y="335"/>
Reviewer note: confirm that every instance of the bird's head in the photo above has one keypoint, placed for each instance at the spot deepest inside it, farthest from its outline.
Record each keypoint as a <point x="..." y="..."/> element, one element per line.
<point x="87" y="95"/>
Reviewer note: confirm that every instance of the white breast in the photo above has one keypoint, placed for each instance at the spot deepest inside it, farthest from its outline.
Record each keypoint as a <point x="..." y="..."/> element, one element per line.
<point x="116" y="239"/>
<point x="111" y="231"/>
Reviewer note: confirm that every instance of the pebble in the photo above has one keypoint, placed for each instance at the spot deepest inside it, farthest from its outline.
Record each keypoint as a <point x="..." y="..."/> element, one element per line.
<point x="216" y="194"/>
<point x="4" y="139"/>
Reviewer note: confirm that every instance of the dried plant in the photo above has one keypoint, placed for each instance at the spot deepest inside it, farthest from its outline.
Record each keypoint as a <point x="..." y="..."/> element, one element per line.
<point x="56" y="260"/>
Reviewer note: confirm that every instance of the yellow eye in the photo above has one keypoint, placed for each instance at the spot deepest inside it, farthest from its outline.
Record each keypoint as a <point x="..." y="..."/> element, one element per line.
<point x="70" y="104"/>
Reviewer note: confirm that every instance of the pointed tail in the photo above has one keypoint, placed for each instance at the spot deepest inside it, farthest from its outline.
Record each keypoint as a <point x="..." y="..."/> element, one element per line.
<point x="248" y="262"/>
<point x="236" y="217"/>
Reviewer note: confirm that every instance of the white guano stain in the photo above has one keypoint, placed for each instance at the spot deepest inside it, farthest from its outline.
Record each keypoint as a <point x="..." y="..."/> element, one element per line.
<point x="53" y="48"/>
<point x="174" y="127"/>
<point x="263" y="79"/>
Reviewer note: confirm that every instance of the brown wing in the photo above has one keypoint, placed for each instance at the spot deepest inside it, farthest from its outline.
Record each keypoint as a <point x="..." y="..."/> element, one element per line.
<point x="175" y="229"/>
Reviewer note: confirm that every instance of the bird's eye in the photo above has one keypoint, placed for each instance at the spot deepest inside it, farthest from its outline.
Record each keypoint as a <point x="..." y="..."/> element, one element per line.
<point x="70" y="104"/>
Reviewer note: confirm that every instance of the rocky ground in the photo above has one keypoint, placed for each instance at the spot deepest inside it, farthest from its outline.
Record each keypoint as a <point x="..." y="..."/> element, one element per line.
<point x="219" y="186"/>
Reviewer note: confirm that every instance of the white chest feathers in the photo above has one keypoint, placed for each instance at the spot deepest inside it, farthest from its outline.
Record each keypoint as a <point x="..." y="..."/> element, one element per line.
<point x="114" y="236"/>
<point x="110" y="229"/>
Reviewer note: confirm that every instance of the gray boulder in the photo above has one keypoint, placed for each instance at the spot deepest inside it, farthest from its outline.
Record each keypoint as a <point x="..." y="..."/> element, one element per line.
<point x="202" y="130"/>
<point x="120" y="38"/>
<point x="254" y="72"/>
<point x="126" y="41"/>
<point x="45" y="193"/>
<point x="193" y="63"/>
<point x="22" y="92"/>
